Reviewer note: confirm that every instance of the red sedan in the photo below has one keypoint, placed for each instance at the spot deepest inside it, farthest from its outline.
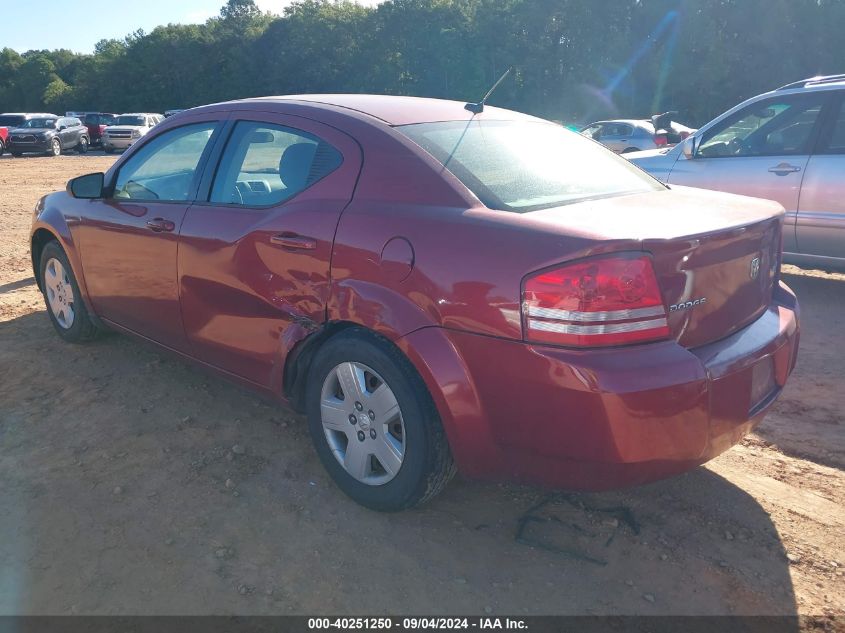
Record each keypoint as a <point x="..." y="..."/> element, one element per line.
<point x="435" y="287"/>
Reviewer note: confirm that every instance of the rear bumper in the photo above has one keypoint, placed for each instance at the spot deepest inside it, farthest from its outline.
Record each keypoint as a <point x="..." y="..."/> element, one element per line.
<point x="602" y="419"/>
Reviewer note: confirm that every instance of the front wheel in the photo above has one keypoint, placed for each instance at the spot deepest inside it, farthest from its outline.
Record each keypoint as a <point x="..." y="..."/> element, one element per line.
<point x="64" y="302"/>
<point x="55" y="148"/>
<point x="82" y="148"/>
<point x="374" y="424"/>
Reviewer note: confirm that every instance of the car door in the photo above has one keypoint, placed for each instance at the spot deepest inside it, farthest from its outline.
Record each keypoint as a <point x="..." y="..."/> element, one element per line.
<point x="616" y="136"/>
<point x="64" y="129"/>
<point x="762" y="151"/>
<point x="821" y="209"/>
<point x="254" y="261"/>
<point x="129" y="239"/>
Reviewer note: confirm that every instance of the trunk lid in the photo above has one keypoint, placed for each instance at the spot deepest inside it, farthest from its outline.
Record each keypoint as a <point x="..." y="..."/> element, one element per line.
<point x="716" y="256"/>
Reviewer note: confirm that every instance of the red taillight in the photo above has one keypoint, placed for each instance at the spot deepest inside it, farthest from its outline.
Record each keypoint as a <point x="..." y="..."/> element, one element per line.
<point x="102" y="129"/>
<point x="661" y="140"/>
<point x="603" y="301"/>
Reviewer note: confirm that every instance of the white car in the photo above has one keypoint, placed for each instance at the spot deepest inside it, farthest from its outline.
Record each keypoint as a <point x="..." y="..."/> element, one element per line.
<point x="127" y="129"/>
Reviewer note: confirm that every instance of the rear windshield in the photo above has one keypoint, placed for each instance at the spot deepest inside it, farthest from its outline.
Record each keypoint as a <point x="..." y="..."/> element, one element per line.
<point x="11" y="120"/>
<point x="99" y="119"/>
<point x="524" y="166"/>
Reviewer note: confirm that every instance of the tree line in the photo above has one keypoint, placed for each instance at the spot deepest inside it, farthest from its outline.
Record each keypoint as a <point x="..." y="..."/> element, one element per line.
<point x="572" y="60"/>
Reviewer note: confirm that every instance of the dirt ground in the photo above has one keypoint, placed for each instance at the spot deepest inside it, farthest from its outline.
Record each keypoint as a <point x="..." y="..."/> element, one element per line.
<point x="115" y="458"/>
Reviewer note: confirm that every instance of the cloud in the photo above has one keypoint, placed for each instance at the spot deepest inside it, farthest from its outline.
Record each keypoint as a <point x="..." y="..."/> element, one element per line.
<point x="197" y="17"/>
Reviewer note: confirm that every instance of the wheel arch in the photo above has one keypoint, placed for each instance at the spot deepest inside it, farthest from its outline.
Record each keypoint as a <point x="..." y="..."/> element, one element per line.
<point x="438" y="362"/>
<point x="52" y="226"/>
<point x="40" y="238"/>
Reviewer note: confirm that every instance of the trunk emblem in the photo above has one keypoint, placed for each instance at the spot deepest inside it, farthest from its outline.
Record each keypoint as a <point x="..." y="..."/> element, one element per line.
<point x="755" y="267"/>
<point x="686" y="305"/>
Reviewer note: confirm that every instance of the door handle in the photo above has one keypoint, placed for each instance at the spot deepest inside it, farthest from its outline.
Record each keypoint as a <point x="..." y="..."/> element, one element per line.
<point x="294" y="241"/>
<point x="783" y="169"/>
<point x="160" y="225"/>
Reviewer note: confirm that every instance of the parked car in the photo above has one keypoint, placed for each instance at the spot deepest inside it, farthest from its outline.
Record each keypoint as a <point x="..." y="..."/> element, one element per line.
<point x="170" y="113"/>
<point x="128" y="128"/>
<point x="434" y="288"/>
<point x="49" y="135"/>
<point x="11" y="120"/>
<point x="633" y="135"/>
<point x="97" y="122"/>
<point x="787" y="145"/>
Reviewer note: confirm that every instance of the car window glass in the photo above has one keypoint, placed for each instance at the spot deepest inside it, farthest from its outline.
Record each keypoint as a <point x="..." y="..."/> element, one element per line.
<point x="835" y="144"/>
<point x="265" y="164"/>
<point x="521" y="166"/>
<point x="773" y="128"/>
<point x="164" y="168"/>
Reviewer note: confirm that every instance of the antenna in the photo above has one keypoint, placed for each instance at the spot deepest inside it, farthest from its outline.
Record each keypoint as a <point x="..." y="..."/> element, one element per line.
<point x="477" y="108"/>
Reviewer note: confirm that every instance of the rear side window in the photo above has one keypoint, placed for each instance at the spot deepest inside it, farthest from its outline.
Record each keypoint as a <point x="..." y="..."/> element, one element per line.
<point x="164" y="169"/>
<point x="265" y="164"/>
<point x="524" y="166"/>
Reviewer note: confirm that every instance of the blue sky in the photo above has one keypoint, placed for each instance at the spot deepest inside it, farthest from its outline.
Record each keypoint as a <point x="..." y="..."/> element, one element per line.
<point x="26" y="26"/>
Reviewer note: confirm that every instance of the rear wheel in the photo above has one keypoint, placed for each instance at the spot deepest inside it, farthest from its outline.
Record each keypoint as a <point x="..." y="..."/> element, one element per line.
<point x="55" y="148"/>
<point x="64" y="302"/>
<point x="83" y="145"/>
<point x="374" y="425"/>
<point x="2" y="147"/>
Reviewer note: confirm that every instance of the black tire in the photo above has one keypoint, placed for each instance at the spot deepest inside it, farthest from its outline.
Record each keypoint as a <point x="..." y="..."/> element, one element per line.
<point x="427" y="465"/>
<point x="55" y="148"/>
<point x="82" y="148"/>
<point x="109" y="150"/>
<point x="2" y="148"/>
<point x="16" y="154"/>
<point x="628" y="150"/>
<point x="83" y="328"/>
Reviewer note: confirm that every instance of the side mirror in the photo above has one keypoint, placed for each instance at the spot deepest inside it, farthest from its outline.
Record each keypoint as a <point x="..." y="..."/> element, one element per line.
<point x="87" y="187"/>
<point x="689" y="146"/>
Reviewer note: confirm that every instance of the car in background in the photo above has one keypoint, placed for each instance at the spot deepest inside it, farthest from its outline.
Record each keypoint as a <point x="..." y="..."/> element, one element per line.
<point x="96" y="122"/>
<point x="170" y="113"/>
<point x="787" y="145"/>
<point x="343" y="253"/>
<point x="49" y="134"/>
<point x="128" y="128"/>
<point x="633" y="135"/>
<point x="11" y="120"/>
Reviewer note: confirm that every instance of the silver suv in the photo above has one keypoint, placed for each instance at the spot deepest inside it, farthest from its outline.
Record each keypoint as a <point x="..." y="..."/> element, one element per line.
<point x="787" y="145"/>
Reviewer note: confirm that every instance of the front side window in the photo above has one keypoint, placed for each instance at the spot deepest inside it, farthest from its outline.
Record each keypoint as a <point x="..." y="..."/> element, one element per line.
<point x="523" y="166"/>
<point x="265" y="164"/>
<point x="164" y="169"/>
<point x="772" y="128"/>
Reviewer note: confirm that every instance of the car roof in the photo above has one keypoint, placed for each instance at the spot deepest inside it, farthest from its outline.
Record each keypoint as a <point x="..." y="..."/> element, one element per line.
<point x="391" y="109"/>
<point x="32" y="115"/>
